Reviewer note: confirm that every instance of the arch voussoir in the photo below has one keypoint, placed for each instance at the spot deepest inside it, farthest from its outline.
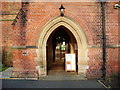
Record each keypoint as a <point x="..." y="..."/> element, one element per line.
<point x="79" y="35"/>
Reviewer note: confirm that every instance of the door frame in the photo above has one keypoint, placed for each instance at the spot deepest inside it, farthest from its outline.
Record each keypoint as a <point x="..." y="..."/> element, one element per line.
<point x="77" y="32"/>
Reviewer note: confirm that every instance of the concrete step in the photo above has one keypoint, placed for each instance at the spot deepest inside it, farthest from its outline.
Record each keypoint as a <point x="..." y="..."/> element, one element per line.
<point x="63" y="75"/>
<point x="67" y="77"/>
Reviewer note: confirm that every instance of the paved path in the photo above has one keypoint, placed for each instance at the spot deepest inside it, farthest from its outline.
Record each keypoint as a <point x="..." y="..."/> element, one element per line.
<point x="7" y="73"/>
<point x="51" y="84"/>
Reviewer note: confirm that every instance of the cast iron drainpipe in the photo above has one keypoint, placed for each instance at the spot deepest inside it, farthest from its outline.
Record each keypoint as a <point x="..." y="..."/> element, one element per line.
<point x="103" y="40"/>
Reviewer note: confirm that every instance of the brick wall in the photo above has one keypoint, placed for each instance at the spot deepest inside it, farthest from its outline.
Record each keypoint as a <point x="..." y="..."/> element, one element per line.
<point x="8" y="13"/>
<point x="88" y="15"/>
<point x="112" y="28"/>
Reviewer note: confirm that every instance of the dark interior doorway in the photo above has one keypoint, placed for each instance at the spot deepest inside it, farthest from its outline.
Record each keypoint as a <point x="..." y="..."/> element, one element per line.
<point x="59" y="43"/>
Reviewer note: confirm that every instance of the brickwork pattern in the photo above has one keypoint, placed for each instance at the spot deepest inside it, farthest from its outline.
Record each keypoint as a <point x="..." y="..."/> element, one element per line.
<point x="8" y="13"/>
<point x="24" y="65"/>
<point x="112" y="28"/>
<point x="87" y="15"/>
<point x="95" y="63"/>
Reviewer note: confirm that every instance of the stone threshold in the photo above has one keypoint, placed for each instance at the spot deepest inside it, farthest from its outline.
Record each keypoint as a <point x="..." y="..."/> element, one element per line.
<point x="67" y="77"/>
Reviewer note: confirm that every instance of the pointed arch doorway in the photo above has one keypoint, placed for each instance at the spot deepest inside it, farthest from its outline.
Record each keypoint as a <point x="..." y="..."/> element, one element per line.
<point x="79" y="35"/>
<point x="60" y="43"/>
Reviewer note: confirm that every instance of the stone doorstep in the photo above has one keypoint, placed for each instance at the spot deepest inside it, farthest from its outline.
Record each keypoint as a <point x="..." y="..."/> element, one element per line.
<point x="66" y="77"/>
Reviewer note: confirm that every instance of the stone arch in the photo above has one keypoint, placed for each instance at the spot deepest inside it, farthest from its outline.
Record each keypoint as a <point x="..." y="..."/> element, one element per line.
<point x="79" y="35"/>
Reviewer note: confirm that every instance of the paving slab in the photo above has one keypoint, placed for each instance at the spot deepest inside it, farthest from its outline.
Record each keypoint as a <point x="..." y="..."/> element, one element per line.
<point x="7" y="73"/>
